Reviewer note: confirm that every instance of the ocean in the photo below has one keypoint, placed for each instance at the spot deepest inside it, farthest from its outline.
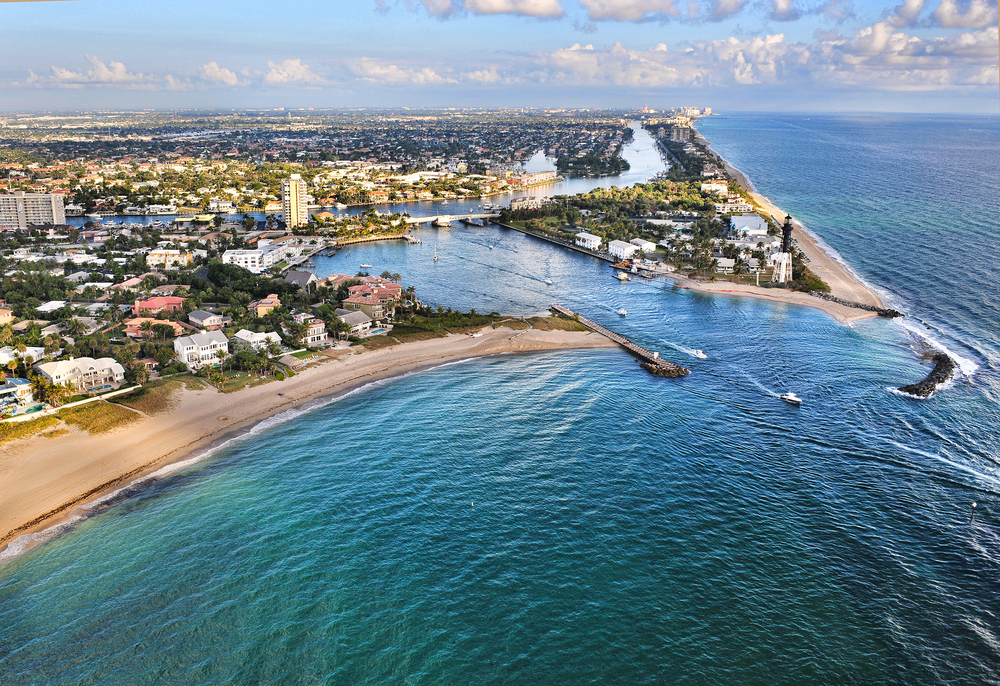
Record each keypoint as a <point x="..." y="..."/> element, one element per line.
<point x="567" y="518"/>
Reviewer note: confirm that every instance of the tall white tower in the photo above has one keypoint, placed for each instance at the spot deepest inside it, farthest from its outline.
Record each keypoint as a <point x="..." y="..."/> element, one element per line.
<point x="294" y="207"/>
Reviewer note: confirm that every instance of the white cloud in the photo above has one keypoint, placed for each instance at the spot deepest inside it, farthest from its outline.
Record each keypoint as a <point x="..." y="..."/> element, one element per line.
<point x="291" y="72"/>
<point x="216" y="74"/>
<point x="977" y="14"/>
<point x="784" y="10"/>
<point x="175" y="84"/>
<point x="483" y="75"/>
<point x="630" y="10"/>
<point x="906" y="14"/>
<point x="377" y="71"/>
<point x="528" y="8"/>
<point x="99" y="75"/>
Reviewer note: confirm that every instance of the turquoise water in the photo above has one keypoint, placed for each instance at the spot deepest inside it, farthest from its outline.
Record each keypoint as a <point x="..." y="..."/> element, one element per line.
<point x="564" y="517"/>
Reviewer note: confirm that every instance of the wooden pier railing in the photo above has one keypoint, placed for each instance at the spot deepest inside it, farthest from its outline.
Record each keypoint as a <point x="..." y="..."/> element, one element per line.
<point x="651" y="362"/>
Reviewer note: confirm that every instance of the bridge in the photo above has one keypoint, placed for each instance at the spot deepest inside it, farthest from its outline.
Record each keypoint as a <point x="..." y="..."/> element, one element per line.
<point x="466" y="218"/>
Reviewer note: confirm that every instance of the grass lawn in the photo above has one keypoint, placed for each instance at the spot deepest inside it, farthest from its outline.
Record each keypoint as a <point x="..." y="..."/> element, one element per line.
<point x="556" y="324"/>
<point x="303" y="355"/>
<point x="99" y="417"/>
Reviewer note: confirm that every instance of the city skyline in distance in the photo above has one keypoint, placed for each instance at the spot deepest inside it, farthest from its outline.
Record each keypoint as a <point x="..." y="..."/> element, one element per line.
<point x="733" y="55"/>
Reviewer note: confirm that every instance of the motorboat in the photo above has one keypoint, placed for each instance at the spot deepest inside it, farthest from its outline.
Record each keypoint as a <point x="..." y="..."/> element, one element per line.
<point x="700" y="355"/>
<point x="623" y="312"/>
<point x="791" y="399"/>
<point x="548" y="281"/>
<point x="622" y="276"/>
<point x="366" y="266"/>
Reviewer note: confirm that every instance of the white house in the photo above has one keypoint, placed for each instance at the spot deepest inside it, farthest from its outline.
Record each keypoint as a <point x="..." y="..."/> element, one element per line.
<point x="725" y="265"/>
<point x="359" y="322"/>
<point x="201" y="349"/>
<point x="84" y="373"/>
<point x="643" y="245"/>
<point x="206" y="320"/>
<point x="748" y="224"/>
<point x="253" y="340"/>
<point x="733" y="207"/>
<point x="260" y="260"/>
<point x="8" y="354"/>
<point x="589" y="241"/>
<point x="720" y="188"/>
<point x="622" y="250"/>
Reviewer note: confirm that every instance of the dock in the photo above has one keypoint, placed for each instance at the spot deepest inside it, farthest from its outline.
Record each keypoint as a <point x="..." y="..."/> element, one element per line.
<point x="651" y="362"/>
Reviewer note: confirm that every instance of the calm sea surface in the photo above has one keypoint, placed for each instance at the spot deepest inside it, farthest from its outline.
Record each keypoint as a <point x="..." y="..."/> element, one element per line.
<point x="566" y="518"/>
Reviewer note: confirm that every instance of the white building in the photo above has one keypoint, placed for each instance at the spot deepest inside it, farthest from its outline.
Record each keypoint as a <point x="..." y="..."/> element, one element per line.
<point x="725" y="265"/>
<point x="720" y="188"/>
<point x="84" y="373"/>
<point x="21" y="210"/>
<point x="359" y="322"/>
<point x="622" y="250"/>
<point x="733" y="207"/>
<point x="259" y="260"/>
<point x="294" y="205"/>
<point x="748" y="224"/>
<point x="589" y="241"/>
<point x="643" y="245"/>
<point x="525" y="203"/>
<point x="253" y="340"/>
<point x="9" y="354"/>
<point x="201" y="349"/>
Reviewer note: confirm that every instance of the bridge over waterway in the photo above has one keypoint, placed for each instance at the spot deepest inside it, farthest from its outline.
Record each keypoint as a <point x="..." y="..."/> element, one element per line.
<point x="442" y="218"/>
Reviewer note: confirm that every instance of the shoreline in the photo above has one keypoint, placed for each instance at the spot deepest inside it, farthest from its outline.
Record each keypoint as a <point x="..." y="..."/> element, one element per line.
<point x="835" y="273"/>
<point x="49" y="487"/>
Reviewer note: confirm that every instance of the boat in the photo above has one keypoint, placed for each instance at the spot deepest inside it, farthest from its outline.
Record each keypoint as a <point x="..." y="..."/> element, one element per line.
<point x="366" y="266"/>
<point x="622" y="276"/>
<point x="700" y="355"/>
<point x="791" y="399"/>
<point x="444" y="221"/>
<point x="435" y="254"/>
<point x="491" y="247"/>
<point x="623" y="312"/>
<point x="548" y="281"/>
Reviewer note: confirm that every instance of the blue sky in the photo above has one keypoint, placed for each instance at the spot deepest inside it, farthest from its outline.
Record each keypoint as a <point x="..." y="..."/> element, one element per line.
<point x="804" y="55"/>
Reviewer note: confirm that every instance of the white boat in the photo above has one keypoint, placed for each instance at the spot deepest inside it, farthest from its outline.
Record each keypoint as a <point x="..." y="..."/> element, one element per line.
<point x="548" y="281"/>
<point x="623" y="312"/>
<point x="700" y="355"/>
<point x="491" y="247"/>
<point x="366" y="266"/>
<point x="791" y="398"/>
<point x="435" y="254"/>
<point x="622" y="276"/>
<point x="443" y="221"/>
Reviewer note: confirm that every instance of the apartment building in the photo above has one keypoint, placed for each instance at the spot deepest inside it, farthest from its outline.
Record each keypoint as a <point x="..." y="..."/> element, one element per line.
<point x="21" y="210"/>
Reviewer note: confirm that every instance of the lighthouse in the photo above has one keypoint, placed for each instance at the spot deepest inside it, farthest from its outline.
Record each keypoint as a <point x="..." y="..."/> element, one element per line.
<point x="783" y="261"/>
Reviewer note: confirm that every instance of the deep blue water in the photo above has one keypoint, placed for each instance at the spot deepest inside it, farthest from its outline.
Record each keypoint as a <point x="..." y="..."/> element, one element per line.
<point x="566" y="518"/>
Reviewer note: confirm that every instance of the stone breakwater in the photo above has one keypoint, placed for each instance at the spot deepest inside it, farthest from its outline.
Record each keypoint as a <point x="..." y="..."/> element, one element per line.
<point x="880" y="311"/>
<point x="944" y="369"/>
<point x="671" y="372"/>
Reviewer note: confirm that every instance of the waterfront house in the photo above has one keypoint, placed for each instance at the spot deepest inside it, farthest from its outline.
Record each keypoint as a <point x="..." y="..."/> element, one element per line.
<point x="201" y="349"/>
<point x="622" y="250"/>
<point x="265" y="305"/>
<point x="725" y="265"/>
<point x="712" y="187"/>
<point x="15" y="395"/>
<point x="588" y="241"/>
<point x="643" y="245"/>
<point x="84" y="373"/>
<point x="157" y="304"/>
<point x="359" y="322"/>
<point x="207" y="320"/>
<point x="253" y="340"/>
<point x="315" y="334"/>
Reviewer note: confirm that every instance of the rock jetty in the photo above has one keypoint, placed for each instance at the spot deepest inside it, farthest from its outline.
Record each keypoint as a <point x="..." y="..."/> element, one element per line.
<point x="944" y="369"/>
<point x="671" y="372"/>
<point x="880" y="311"/>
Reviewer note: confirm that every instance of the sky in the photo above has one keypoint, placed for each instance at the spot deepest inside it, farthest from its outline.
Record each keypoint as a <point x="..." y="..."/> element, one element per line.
<point x="731" y="55"/>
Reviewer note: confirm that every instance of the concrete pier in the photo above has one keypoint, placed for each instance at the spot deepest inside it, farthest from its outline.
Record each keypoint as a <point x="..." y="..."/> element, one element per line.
<point x="651" y="362"/>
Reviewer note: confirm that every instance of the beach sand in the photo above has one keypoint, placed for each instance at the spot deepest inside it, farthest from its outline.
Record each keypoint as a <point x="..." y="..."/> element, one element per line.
<point x="43" y="480"/>
<point x="842" y="283"/>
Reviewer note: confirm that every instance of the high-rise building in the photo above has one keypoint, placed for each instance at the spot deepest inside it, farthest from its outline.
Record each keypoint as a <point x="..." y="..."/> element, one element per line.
<point x="21" y="210"/>
<point x="294" y="207"/>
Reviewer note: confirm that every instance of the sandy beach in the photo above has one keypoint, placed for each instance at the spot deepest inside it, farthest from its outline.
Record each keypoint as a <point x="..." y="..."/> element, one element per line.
<point x="43" y="480"/>
<point x="842" y="283"/>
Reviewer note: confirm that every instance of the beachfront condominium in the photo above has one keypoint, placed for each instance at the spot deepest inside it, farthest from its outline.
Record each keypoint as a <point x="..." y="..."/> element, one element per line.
<point x="19" y="210"/>
<point x="294" y="207"/>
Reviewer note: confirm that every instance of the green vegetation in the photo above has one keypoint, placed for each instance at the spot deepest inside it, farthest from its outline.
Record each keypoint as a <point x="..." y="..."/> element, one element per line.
<point x="13" y="431"/>
<point x="156" y="397"/>
<point x="99" y="417"/>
